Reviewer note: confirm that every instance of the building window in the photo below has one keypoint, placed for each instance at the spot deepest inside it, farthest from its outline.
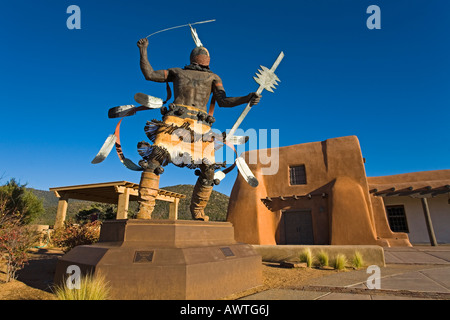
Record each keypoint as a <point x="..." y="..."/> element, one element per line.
<point x="397" y="218"/>
<point x="297" y="175"/>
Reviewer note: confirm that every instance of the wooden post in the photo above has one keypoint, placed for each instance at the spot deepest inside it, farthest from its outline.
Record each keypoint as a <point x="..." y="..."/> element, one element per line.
<point x="426" y="212"/>
<point x="123" y="203"/>
<point x="173" y="209"/>
<point x="61" y="212"/>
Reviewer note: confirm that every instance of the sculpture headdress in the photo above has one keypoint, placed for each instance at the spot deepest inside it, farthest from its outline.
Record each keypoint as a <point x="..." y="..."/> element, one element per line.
<point x="200" y="55"/>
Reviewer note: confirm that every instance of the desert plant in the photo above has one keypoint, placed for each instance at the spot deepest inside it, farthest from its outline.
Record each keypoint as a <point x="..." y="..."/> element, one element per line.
<point x="92" y="287"/>
<point x="15" y="241"/>
<point x="357" y="260"/>
<point x="72" y="235"/>
<point x="322" y="258"/>
<point x="306" y="256"/>
<point x="340" y="261"/>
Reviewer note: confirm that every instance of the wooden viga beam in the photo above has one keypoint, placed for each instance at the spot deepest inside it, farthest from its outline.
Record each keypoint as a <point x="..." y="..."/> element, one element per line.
<point x="415" y="192"/>
<point x="440" y="190"/>
<point x="393" y="192"/>
<point x="275" y="202"/>
<point x="409" y="191"/>
<point x="384" y="192"/>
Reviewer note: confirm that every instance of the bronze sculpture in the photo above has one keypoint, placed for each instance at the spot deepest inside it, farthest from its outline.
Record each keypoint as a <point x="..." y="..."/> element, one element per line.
<point x="185" y="123"/>
<point x="184" y="136"/>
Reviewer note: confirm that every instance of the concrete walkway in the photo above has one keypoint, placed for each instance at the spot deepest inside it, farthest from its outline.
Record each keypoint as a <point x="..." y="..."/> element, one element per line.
<point x="421" y="272"/>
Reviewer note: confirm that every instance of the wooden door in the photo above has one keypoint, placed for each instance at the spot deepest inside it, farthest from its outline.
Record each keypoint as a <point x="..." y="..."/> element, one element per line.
<point x="298" y="227"/>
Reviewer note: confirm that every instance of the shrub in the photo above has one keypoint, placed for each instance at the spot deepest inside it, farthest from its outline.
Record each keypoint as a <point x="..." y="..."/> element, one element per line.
<point x="340" y="262"/>
<point x="18" y="205"/>
<point x="72" y="235"/>
<point x="15" y="241"/>
<point x="306" y="256"/>
<point x="357" y="261"/>
<point x="322" y="258"/>
<point x="92" y="287"/>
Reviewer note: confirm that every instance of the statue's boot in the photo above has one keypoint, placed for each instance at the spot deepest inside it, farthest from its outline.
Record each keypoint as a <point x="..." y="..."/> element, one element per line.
<point x="148" y="191"/>
<point x="200" y="197"/>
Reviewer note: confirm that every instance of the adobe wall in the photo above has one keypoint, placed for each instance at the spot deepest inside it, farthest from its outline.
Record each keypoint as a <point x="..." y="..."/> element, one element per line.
<point x="334" y="167"/>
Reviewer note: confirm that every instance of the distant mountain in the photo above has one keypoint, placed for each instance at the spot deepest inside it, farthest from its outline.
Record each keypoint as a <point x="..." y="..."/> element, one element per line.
<point x="50" y="202"/>
<point x="216" y="208"/>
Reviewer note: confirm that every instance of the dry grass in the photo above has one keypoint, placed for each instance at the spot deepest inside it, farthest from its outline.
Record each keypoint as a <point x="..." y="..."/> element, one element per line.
<point x="340" y="262"/>
<point x="307" y="257"/>
<point x="357" y="261"/>
<point x="92" y="287"/>
<point x="322" y="258"/>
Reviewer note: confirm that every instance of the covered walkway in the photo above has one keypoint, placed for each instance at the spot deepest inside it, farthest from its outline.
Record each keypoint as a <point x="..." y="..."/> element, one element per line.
<point x="118" y="192"/>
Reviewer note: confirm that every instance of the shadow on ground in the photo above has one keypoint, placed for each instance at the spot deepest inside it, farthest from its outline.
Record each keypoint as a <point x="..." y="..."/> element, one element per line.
<point x="40" y="270"/>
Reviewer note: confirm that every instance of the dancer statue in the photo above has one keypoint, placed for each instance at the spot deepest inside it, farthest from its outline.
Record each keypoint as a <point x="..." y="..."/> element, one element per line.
<point x="184" y="135"/>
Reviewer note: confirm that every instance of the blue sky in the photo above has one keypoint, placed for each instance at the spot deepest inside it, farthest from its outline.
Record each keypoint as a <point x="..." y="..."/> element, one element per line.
<point x="389" y="87"/>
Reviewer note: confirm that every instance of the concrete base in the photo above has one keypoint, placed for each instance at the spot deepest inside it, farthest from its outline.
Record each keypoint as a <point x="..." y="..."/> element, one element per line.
<point x="168" y="260"/>
<point x="372" y="255"/>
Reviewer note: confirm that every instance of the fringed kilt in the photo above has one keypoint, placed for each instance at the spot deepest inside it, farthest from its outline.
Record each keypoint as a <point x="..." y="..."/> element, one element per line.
<point x="184" y="138"/>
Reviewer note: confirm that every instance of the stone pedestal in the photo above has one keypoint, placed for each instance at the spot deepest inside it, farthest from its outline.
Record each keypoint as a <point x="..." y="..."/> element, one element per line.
<point x="168" y="260"/>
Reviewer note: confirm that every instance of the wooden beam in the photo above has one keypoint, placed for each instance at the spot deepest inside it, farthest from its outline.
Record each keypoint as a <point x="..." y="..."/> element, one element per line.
<point x="123" y="203"/>
<point x="399" y="192"/>
<point x="436" y="193"/>
<point x="384" y="192"/>
<point x="173" y="210"/>
<point x="131" y="191"/>
<point x="61" y="213"/>
<point x="94" y="185"/>
<point x="414" y="192"/>
<point x="426" y="212"/>
<point x="440" y="190"/>
<point x="165" y="198"/>
<point x="91" y="197"/>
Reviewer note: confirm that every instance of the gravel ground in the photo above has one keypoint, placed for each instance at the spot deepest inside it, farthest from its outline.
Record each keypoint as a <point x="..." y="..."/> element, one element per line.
<point x="276" y="277"/>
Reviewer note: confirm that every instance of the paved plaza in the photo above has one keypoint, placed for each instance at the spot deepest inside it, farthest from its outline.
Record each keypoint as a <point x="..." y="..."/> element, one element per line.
<point x="420" y="272"/>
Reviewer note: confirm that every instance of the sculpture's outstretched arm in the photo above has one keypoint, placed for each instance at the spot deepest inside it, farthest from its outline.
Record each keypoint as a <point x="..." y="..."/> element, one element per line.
<point x="229" y="102"/>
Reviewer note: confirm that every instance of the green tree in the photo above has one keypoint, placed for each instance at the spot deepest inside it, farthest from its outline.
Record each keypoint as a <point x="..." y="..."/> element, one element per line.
<point x="98" y="210"/>
<point x="19" y="204"/>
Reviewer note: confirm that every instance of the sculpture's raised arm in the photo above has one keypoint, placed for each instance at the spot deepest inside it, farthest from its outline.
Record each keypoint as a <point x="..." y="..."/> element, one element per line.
<point x="146" y="68"/>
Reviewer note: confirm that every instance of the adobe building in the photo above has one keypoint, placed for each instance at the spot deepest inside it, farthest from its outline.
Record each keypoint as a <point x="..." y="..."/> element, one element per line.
<point x="320" y="195"/>
<point x="416" y="203"/>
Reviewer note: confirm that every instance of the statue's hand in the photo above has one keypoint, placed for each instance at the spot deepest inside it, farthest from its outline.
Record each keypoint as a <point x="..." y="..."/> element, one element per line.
<point x="254" y="100"/>
<point x="143" y="43"/>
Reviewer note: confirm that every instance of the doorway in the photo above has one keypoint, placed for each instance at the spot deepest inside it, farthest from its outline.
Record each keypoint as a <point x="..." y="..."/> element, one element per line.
<point x="298" y="227"/>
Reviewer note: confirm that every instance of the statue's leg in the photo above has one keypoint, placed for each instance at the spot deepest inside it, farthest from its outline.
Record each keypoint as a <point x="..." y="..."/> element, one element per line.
<point x="148" y="189"/>
<point x="202" y="191"/>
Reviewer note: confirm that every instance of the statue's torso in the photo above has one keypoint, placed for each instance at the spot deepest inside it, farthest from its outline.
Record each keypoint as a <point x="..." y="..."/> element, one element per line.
<point x="192" y="87"/>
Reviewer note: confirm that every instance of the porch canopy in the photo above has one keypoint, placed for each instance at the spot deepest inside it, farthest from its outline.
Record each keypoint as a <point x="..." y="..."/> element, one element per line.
<point x="423" y="185"/>
<point x="421" y="190"/>
<point x="118" y="192"/>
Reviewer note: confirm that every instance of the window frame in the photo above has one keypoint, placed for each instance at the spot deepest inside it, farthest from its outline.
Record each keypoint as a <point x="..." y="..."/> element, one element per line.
<point x="291" y="169"/>
<point x="404" y="228"/>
